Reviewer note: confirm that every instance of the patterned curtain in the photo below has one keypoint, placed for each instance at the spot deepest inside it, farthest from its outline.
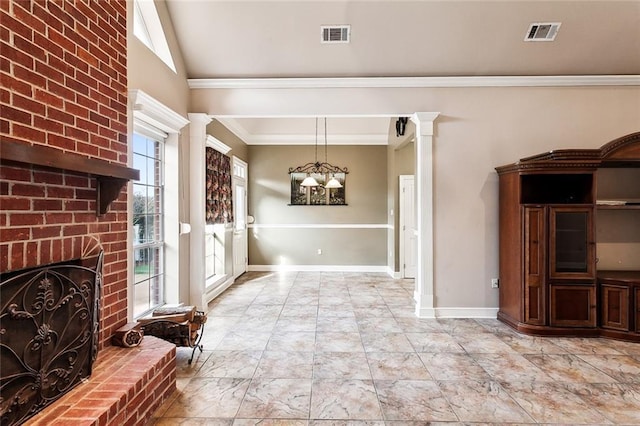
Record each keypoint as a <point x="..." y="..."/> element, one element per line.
<point x="219" y="202"/>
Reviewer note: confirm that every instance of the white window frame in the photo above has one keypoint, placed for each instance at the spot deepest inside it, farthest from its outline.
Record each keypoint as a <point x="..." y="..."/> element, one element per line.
<point x="152" y="118"/>
<point x="158" y="137"/>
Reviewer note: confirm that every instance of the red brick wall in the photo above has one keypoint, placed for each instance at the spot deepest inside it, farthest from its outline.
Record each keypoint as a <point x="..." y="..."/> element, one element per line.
<point x="64" y="84"/>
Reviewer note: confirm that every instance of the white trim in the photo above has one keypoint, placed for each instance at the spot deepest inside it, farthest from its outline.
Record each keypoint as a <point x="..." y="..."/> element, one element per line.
<point x="214" y="281"/>
<point x="393" y="274"/>
<point x="155" y="113"/>
<point x="154" y="38"/>
<point x="216" y="144"/>
<point x="218" y="290"/>
<point x="319" y="268"/>
<point x="414" y="82"/>
<point x="476" y="312"/>
<point x="231" y="123"/>
<point x="197" y="197"/>
<point x="466" y="312"/>
<point x="146" y="129"/>
<point x="385" y="115"/>
<point x="425" y="289"/>
<point x="302" y="139"/>
<point x="240" y="238"/>
<point x="321" y="226"/>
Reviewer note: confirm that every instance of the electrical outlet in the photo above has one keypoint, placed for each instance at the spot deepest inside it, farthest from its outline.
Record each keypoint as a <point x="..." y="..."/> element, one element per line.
<point x="495" y="282"/>
<point x="319" y="251"/>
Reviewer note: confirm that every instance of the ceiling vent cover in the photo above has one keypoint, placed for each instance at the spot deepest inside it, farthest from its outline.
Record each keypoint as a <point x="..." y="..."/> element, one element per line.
<point x="335" y="33"/>
<point x="542" y="31"/>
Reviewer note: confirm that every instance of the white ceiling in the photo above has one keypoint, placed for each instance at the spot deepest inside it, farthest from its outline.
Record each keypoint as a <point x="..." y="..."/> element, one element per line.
<point x="392" y="38"/>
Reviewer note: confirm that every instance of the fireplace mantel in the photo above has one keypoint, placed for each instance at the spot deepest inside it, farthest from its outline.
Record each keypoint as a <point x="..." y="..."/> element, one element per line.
<point x="110" y="177"/>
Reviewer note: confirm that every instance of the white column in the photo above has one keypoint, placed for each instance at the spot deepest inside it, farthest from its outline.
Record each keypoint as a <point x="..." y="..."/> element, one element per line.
<point x="197" y="173"/>
<point x="424" y="294"/>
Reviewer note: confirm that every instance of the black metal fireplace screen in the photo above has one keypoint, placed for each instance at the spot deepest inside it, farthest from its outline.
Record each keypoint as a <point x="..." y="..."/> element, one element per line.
<point x="49" y="326"/>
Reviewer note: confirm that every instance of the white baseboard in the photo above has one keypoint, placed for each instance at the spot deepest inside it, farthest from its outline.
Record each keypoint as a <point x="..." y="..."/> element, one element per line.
<point x="393" y="274"/>
<point x="458" y="313"/>
<point x="318" y="268"/>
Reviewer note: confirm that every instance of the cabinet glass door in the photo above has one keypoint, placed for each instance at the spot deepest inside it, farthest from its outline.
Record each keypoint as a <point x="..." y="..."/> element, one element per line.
<point x="572" y="248"/>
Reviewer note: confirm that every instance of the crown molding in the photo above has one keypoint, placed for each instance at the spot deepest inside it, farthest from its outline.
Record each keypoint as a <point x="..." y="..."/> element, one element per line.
<point x="415" y="82"/>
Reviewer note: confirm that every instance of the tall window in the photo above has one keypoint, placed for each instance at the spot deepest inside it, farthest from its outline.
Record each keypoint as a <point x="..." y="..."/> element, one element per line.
<point x="219" y="213"/>
<point x="214" y="256"/>
<point x="148" y="219"/>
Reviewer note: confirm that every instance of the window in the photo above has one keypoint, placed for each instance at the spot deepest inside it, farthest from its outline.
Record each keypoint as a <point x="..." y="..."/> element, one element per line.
<point x="155" y="202"/>
<point x="214" y="256"/>
<point x="148" y="220"/>
<point x="219" y="213"/>
<point x="148" y="29"/>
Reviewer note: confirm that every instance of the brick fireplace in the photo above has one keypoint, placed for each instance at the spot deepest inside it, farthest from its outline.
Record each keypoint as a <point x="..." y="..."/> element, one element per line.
<point x="64" y="85"/>
<point x="64" y="88"/>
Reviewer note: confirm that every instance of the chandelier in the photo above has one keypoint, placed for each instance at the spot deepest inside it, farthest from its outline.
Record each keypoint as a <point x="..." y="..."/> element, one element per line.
<point x="318" y="168"/>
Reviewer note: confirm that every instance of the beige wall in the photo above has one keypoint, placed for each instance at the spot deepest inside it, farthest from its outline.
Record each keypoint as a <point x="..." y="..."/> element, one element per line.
<point x="224" y="135"/>
<point x="478" y="129"/>
<point x="482" y="129"/>
<point x="269" y="196"/>
<point x="149" y="74"/>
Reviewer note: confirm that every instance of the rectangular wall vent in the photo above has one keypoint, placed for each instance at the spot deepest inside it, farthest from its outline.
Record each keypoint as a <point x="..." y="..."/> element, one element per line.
<point x="335" y="33"/>
<point x="542" y="31"/>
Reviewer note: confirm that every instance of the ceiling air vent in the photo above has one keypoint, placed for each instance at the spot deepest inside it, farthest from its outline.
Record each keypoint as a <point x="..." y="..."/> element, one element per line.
<point x="335" y="33"/>
<point x="542" y="31"/>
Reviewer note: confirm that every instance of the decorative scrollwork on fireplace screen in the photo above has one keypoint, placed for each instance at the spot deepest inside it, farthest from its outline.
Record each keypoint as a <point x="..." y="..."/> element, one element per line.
<point x="49" y="324"/>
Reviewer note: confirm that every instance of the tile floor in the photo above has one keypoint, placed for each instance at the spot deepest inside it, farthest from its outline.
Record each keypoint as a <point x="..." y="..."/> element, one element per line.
<point x="345" y="348"/>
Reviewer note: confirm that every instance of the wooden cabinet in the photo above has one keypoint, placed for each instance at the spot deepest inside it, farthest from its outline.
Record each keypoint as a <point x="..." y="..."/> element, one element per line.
<point x="615" y="306"/>
<point x="637" y="309"/>
<point x="558" y="250"/>
<point x="549" y="283"/>
<point x="571" y="243"/>
<point x="620" y="300"/>
<point x="534" y="259"/>
<point x="572" y="305"/>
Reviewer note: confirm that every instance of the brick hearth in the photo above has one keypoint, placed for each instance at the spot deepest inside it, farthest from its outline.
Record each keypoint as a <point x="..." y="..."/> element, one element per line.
<point x="126" y="387"/>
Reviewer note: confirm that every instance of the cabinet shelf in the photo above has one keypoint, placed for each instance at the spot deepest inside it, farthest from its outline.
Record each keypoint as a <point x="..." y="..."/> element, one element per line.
<point x="110" y="177"/>
<point x="618" y="207"/>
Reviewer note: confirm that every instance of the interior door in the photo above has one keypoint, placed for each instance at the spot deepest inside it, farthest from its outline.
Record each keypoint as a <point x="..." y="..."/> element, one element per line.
<point x="240" y="248"/>
<point x="408" y="235"/>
